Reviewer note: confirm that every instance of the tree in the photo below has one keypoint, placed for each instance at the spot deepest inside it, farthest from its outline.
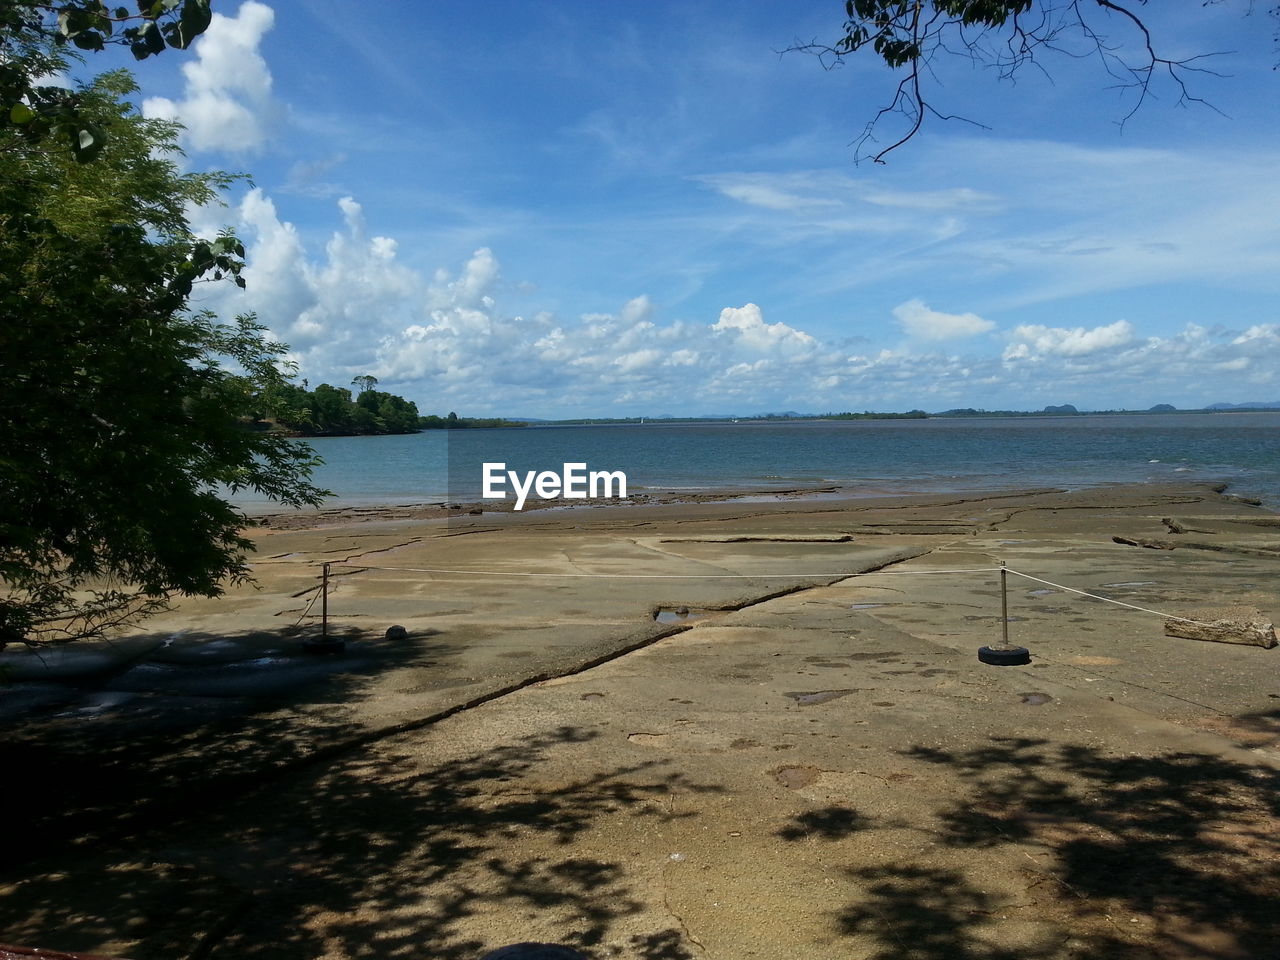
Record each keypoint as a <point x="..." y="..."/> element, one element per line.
<point x="33" y="36"/>
<point x="1007" y="36"/>
<point x="365" y="382"/>
<point x="123" y="410"/>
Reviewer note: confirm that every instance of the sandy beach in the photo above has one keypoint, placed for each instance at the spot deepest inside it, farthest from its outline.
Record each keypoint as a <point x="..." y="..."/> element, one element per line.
<point x="722" y="729"/>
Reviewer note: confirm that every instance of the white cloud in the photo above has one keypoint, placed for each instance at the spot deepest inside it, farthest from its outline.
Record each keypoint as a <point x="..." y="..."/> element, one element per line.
<point x="228" y="103"/>
<point x="333" y="311"/>
<point x="746" y="323"/>
<point x="922" y="323"/>
<point x="955" y="198"/>
<point x="446" y="340"/>
<point x="1033" y="340"/>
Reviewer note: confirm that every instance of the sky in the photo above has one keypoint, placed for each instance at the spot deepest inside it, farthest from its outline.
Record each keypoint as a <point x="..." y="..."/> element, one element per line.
<point x="576" y="208"/>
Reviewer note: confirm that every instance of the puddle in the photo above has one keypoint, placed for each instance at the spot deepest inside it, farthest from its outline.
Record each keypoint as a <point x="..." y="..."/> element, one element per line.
<point x="809" y="698"/>
<point x="1035" y="699"/>
<point x="866" y="606"/>
<point x="683" y="614"/>
<point x="1132" y="583"/>
<point x="1040" y="593"/>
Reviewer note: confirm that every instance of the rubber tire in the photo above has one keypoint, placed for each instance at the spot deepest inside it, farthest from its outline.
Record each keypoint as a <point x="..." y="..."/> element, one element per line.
<point x="323" y="645"/>
<point x="1013" y="657"/>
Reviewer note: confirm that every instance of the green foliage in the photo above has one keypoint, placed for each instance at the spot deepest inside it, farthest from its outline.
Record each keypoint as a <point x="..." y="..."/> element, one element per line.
<point x="124" y="411"/>
<point x="34" y="42"/>
<point x="896" y="29"/>
<point x="331" y="411"/>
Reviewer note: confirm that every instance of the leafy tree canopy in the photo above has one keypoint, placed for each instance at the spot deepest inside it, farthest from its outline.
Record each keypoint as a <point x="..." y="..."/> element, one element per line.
<point x="34" y="36"/>
<point x="330" y="410"/>
<point x="123" y="410"/>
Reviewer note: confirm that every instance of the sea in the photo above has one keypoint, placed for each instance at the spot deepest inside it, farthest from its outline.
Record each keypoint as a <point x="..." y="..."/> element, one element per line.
<point x="860" y="457"/>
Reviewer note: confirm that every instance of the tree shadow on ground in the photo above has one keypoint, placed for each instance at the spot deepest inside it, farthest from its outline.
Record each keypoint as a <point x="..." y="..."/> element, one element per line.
<point x="826" y="823"/>
<point x="377" y="856"/>
<point x="135" y="744"/>
<point x="1138" y="858"/>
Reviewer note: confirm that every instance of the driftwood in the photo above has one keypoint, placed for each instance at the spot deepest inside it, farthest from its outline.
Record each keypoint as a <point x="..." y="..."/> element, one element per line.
<point x="1225" y="547"/>
<point x="1149" y="544"/>
<point x="1246" y="625"/>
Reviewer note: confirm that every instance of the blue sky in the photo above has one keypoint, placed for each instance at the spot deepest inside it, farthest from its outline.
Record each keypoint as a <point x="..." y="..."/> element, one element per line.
<point x="584" y="208"/>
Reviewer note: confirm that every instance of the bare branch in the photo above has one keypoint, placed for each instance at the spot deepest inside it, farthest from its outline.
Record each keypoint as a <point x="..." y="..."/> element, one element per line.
<point x="1006" y="37"/>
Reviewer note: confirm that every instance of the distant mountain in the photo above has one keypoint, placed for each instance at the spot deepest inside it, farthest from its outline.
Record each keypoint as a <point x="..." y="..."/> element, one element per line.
<point x="1163" y="408"/>
<point x="1065" y="409"/>
<point x="1252" y="405"/>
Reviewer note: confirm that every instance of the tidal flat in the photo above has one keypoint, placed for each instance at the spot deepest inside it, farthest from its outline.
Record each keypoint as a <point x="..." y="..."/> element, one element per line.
<point x="811" y="761"/>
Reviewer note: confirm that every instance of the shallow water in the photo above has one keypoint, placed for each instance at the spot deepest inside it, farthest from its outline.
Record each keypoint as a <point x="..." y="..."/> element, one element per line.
<point x="871" y="457"/>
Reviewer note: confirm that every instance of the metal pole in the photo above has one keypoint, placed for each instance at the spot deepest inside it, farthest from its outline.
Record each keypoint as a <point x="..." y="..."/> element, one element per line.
<point x="1004" y="605"/>
<point x="1003" y="654"/>
<point x="324" y="601"/>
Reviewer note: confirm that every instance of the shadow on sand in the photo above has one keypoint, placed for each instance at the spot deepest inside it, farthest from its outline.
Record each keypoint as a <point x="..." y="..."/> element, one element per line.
<point x="141" y="742"/>
<point x="1139" y="858"/>
<point x="369" y="857"/>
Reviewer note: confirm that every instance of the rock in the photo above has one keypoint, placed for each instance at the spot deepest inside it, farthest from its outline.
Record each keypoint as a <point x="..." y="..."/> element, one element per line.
<point x="397" y="632"/>
<point x="1246" y="625"/>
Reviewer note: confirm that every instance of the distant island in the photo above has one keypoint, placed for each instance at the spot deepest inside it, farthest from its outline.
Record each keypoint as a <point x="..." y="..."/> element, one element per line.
<point x="455" y="422"/>
<point x="329" y="411"/>
<point x="1060" y="410"/>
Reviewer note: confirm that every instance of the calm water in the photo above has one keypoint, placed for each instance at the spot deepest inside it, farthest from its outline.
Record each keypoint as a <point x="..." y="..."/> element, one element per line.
<point x="865" y="457"/>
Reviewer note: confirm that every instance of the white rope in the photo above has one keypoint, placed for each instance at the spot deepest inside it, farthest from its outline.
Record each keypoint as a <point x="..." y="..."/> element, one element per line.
<point x="1118" y="603"/>
<point x="314" y="597"/>
<point x="464" y="574"/>
<point x="360" y="567"/>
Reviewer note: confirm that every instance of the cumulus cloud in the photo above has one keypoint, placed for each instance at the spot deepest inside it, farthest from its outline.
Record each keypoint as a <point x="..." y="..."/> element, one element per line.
<point x="920" y="322"/>
<point x="746" y="324"/>
<point x="332" y="310"/>
<point x="1032" y="340"/>
<point x="228" y="103"/>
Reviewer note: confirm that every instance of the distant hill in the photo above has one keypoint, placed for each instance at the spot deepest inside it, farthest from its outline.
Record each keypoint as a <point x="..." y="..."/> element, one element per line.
<point x="1065" y="409"/>
<point x="1163" y="408"/>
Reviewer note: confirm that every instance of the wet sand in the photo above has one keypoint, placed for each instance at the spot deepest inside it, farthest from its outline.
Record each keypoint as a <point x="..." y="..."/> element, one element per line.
<point x="808" y="763"/>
